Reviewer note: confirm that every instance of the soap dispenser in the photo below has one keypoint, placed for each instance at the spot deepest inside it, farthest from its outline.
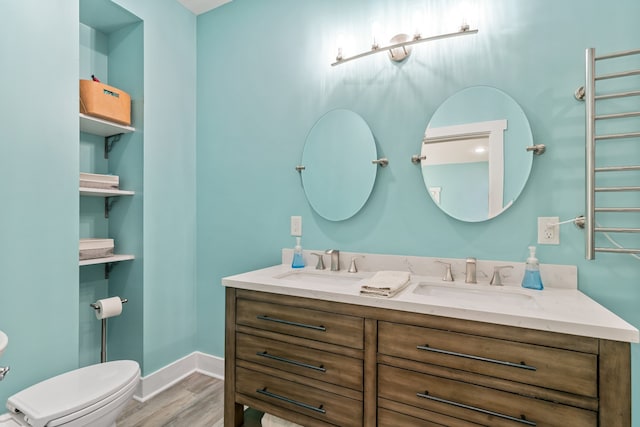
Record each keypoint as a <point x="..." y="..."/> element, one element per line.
<point x="298" y="259"/>
<point x="532" y="278"/>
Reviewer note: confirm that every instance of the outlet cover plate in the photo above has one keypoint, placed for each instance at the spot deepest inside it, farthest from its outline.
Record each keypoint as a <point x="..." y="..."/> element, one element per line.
<point x="548" y="230"/>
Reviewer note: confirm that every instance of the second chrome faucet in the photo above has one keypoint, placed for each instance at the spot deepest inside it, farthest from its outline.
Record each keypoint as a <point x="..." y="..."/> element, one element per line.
<point x="335" y="258"/>
<point x="470" y="272"/>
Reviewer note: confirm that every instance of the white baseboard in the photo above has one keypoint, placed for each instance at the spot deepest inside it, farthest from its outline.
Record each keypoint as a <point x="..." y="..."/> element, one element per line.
<point x="160" y="380"/>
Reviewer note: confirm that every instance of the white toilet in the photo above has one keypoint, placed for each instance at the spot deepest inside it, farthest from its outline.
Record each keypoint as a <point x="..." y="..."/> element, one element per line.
<point x="91" y="396"/>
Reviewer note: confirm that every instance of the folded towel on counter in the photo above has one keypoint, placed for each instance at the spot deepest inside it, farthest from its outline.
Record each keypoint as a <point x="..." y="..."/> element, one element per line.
<point x="269" y="420"/>
<point x="385" y="283"/>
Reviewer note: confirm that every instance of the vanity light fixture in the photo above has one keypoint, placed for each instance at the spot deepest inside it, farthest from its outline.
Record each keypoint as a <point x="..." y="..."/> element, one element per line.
<point x="400" y="47"/>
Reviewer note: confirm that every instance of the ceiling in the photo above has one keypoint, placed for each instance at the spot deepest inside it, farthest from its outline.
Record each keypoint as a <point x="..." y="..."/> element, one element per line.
<point x="202" y="6"/>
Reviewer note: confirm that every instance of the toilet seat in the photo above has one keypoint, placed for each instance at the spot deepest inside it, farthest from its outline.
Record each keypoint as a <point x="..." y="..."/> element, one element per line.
<point x="74" y="394"/>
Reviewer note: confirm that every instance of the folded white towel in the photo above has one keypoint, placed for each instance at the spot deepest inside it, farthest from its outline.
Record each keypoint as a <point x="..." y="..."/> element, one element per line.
<point x="269" y="420"/>
<point x="385" y="283"/>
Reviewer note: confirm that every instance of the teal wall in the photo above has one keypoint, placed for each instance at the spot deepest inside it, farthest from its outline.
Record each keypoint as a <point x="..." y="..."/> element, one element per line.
<point x="39" y="164"/>
<point x="264" y="79"/>
<point x="38" y="190"/>
<point x="169" y="194"/>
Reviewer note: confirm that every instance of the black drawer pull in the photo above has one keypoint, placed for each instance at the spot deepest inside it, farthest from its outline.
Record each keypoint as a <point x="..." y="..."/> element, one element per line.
<point x="521" y="365"/>
<point x="287" y="322"/>
<point x="294" y="402"/>
<point x="291" y="362"/>
<point x="522" y="420"/>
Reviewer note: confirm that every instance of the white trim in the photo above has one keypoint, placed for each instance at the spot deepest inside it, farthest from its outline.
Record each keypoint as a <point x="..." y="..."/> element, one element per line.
<point x="160" y="380"/>
<point x="212" y="366"/>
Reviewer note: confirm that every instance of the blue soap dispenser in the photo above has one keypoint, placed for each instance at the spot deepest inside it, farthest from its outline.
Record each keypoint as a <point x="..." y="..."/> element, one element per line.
<point x="298" y="259"/>
<point x="532" y="278"/>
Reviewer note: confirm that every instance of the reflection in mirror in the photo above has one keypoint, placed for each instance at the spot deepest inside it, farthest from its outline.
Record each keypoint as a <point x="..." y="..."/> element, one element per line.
<point x="475" y="161"/>
<point x="337" y="173"/>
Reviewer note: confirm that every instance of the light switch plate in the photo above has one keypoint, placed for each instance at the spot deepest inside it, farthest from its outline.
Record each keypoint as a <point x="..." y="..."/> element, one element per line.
<point x="296" y="226"/>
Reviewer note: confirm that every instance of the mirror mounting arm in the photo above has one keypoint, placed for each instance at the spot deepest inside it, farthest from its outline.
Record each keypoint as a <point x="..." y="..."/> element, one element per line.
<point x="537" y="149"/>
<point x="383" y="162"/>
<point x="417" y="158"/>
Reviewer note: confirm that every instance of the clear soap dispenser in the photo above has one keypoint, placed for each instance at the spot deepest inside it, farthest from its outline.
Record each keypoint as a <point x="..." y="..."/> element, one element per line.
<point x="532" y="278"/>
<point x="298" y="259"/>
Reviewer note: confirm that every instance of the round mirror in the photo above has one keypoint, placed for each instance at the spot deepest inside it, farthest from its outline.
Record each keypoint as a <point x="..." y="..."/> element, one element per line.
<point x="474" y="158"/>
<point x="337" y="173"/>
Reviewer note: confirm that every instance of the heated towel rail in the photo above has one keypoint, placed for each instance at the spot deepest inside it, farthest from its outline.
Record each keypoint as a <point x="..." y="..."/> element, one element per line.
<point x="588" y="94"/>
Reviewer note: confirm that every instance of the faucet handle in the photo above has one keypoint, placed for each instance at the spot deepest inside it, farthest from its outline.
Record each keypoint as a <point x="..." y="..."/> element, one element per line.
<point x="352" y="267"/>
<point x="320" y="264"/>
<point x="496" y="279"/>
<point x="448" y="277"/>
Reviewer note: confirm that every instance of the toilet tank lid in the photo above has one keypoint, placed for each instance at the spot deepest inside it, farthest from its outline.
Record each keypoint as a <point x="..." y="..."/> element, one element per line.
<point x="72" y="391"/>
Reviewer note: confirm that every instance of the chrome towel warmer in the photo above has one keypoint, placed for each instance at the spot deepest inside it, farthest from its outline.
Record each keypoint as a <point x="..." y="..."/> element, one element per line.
<point x="588" y="94"/>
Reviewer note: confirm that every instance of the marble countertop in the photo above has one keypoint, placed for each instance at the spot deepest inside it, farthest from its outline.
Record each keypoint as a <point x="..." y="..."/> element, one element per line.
<point x="555" y="309"/>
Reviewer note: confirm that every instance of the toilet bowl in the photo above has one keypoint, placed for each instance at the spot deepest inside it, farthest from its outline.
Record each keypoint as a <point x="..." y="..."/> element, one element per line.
<point x="91" y="396"/>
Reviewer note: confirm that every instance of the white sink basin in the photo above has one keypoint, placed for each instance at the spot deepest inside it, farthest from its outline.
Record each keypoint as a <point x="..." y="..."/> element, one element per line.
<point x="4" y="340"/>
<point x="471" y="295"/>
<point x="322" y="279"/>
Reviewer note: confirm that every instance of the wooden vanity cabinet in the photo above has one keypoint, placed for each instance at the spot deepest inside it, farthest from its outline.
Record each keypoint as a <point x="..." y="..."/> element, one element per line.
<point x="321" y="363"/>
<point x="294" y="359"/>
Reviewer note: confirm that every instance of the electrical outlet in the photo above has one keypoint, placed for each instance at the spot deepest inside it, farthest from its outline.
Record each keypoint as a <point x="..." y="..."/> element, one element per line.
<point x="296" y="226"/>
<point x="548" y="230"/>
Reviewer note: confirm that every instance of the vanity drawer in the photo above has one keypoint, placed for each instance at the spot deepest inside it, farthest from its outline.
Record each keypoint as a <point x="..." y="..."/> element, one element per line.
<point x="563" y="370"/>
<point x="390" y="418"/>
<point x="475" y="403"/>
<point x="321" y="365"/>
<point x="319" y="404"/>
<point x="307" y="323"/>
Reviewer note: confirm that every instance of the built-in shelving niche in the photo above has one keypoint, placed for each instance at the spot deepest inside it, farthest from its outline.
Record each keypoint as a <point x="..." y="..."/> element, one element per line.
<point x="111" y="48"/>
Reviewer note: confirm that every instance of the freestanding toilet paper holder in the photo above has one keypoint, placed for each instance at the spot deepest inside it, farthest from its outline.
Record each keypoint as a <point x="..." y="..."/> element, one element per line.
<point x="103" y="345"/>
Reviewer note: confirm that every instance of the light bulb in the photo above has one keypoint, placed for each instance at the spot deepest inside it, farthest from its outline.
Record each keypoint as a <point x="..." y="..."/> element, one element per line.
<point x="339" y="44"/>
<point x="375" y="35"/>
<point x="416" y="21"/>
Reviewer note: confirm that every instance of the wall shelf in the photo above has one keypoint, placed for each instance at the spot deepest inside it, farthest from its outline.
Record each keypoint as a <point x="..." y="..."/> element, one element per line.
<point x="96" y="126"/>
<point x="107" y="194"/>
<point x="102" y="192"/>
<point x="106" y="260"/>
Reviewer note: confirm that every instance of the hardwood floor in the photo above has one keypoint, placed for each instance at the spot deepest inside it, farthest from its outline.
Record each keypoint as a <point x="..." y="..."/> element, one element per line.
<point x="196" y="401"/>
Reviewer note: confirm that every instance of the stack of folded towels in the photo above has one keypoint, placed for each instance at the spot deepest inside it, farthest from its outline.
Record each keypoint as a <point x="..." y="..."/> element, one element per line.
<point x="269" y="420"/>
<point x="385" y="283"/>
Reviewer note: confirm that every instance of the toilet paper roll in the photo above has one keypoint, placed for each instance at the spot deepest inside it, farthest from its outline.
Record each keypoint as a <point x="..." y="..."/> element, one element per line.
<point x="108" y="307"/>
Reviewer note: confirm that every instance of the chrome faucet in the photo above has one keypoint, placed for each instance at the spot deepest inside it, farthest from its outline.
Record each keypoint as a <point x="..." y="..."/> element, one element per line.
<point x="470" y="274"/>
<point x="335" y="259"/>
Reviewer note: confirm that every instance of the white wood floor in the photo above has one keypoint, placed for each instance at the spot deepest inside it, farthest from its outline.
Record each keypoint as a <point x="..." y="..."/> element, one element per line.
<point x="196" y="401"/>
